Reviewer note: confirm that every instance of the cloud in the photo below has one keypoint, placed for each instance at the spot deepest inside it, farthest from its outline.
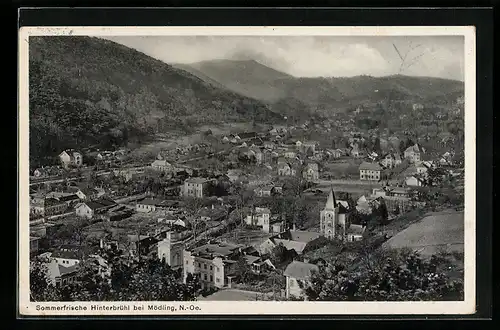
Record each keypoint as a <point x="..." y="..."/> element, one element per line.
<point x="311" y="56"/>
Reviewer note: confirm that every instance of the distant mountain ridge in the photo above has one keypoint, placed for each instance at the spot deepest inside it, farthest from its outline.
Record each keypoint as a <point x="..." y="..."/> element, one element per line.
<point x="328" y="94"/>
<point x="249" y="77"/>
<point x="86" y="91"/>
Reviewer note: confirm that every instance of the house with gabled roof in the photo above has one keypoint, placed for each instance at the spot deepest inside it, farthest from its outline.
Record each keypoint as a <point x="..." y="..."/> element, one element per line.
<point x="299" y="241"/>
<point x="90" y="209"/>
<point x="413" y="153"/>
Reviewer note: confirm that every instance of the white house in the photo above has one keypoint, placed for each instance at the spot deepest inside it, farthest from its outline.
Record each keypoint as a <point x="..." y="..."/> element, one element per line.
<point x="260" y="217"/>
<point x="369" y="171"/>
<point x="71" y="158"/>
<point x="91" y="208"/>
<point x="413" y="181"/>
<point x="161" y="165"/>
<point x="412" y="153"/>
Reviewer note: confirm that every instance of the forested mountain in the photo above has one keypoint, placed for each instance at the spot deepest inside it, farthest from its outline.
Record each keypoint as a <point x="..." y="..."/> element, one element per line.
<point x="89" y="91"/>
<point x="248" y="78"/>
<point x="324" y="95"/>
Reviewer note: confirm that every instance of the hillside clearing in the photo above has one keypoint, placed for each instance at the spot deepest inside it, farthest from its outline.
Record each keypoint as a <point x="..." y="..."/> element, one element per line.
<point x="435" y="233"/>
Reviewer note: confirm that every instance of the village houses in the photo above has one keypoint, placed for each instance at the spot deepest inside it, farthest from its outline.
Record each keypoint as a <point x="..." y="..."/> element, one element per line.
<point x="293" y="240"/>
<point x="390" y="160"/>
<point x="91" y="209"/>
<point x="286" y="169"/>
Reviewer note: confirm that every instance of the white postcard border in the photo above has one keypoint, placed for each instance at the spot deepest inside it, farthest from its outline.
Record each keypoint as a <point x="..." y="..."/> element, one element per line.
<point x="27" y="308"/>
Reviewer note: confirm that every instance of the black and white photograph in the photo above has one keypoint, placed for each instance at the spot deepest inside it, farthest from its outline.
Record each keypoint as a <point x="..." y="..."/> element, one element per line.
<point x="186" y="169"/>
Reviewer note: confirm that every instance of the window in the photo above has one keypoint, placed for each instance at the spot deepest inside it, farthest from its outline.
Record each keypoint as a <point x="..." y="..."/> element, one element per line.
<point x="211" y="268"/>
<point x="187" y="262"/>
<point x="204" y="266"/>
<point x="205" y="277"/>
<point x="199" y="265"/>
<point x="217" y="268"/>
<point x="217" y="280"/>
<point x="211" y="278"/>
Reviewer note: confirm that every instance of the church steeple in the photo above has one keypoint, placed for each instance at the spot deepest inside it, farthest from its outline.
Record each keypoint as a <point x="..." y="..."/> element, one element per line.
<point x="331" y="203"/>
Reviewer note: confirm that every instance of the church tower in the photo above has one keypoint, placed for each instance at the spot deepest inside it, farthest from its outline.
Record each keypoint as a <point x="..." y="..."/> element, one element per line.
<point x="329" y="217"/>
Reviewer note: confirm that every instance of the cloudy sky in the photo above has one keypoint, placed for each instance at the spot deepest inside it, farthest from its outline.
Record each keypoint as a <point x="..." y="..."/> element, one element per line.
<point x="309" y="56"/>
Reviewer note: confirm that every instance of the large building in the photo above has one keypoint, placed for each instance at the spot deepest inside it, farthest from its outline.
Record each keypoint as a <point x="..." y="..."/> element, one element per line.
<point x="195" y="187"/>
<point x="213" y="262"/>
<point x="335" y="222"/>
<point x="369" y="171"/>
<point x="333" y="218"/>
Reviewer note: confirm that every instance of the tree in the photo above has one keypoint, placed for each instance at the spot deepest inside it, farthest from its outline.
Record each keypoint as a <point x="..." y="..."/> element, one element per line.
<point x="402" y="146"/>
<point x="243" y="197"/>
<point x="278" y="254"/>
<point x="405" y="277"/>
<point x="310" y="152"/>
<point x="193" y="206"/>
<point x="242" y="269"/>
<point x="41" y="289"/>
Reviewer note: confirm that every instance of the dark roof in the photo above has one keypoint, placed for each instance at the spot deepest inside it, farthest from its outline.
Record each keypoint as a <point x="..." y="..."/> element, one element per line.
<point x="196" y="180"/>
<point x="67" y="270"/>
<point x="247" y="135"/>
<point x="68" y="198"/>
<point x="220" y="249"/>
<point x="100" y="204"/>
<point x="251" y="259"/>
<point x="370" y="166"/>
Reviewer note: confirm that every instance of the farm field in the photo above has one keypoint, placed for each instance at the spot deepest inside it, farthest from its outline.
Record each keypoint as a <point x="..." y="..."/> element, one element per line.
<point x="443" y="231"/>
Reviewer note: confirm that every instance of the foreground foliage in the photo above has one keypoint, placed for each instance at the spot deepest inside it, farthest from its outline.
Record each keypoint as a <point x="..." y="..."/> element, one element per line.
<point x="128" y="280"/>
<point x="402" y="277"/>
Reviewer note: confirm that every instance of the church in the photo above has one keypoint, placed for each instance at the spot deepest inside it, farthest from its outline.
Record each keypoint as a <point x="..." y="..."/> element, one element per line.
<point x="334" y="221"/>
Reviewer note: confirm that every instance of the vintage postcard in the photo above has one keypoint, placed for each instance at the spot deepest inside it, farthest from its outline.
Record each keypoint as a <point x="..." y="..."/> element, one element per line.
<point x="246" y="170"/>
